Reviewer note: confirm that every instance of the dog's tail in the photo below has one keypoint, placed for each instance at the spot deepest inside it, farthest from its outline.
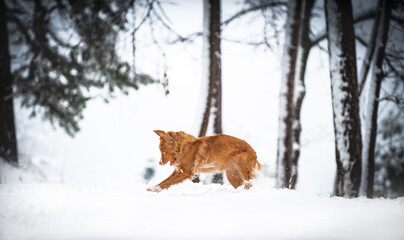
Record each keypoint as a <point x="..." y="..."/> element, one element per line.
<point x="256" y="171"/>
<point x="259" y="166"/>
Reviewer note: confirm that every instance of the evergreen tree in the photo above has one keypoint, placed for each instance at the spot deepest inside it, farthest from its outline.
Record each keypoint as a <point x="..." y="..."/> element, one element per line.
<point x="389" y="157"/>
<point x="8" y="141"/>
<point x="60" y="50"/>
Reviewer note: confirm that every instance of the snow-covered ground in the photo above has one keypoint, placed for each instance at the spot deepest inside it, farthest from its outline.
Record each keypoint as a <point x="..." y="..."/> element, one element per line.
<point x="90" y="186"/>
<point x="191" y="211"/>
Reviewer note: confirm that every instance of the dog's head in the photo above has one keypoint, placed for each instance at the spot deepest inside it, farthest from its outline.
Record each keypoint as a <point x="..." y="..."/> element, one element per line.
<point x="171" y="144"/>
<point x="167" y="146"/>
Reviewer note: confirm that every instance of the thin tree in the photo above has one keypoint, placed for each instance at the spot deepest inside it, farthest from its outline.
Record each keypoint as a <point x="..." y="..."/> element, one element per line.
<point x="215" y="55"/>
<point x="286" y="106"/>
<point x="212" y="72"/>
<point x="370" y="49"/>
<point x="300" y="88"/>
<point x="345" y="101"/>
<point x="206" y="72"/>
<point x="372" y="107"/>
<point x="8" y="140"/>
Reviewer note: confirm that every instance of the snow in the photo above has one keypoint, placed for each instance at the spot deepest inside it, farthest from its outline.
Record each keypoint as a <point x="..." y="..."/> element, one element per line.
<point x="37" y="169"/>
<point x="191" y="211"/>
<point x="121" y="132"/>
<point x="102" y="195"/>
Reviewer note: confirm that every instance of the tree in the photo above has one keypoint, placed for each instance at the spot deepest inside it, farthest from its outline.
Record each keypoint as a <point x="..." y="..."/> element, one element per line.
<point x="8" y="140"/>
<point x="369" y="49"/>
<point x="212" y="73"/>
<point x="62" y="49"/>
<point x="286" y="106"/>
<point x="372" y="107"/>
<point x="300" y="87"/>
<point x="215" y="70"/>
<point x="392" y="61"/>
<point x="344" y="91"/>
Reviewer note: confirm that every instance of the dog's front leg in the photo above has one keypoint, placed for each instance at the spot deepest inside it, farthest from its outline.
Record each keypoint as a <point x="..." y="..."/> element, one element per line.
<point x="176" y="179"/>
<point x="158" y="188"/>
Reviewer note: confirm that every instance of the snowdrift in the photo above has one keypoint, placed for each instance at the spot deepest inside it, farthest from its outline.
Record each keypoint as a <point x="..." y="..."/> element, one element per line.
<point x="191" y="211"/>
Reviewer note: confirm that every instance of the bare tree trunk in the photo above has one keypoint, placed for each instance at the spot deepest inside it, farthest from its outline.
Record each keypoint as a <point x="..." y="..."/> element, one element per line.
<point x="216" y="71"/>
<point x="213" y="72"/>
<point x="285" y="135"/>
<point x="300" y="88"/>
<point x="344" y="89"/>
<point x="206" y="79"/>
<point x="206" y="75"/>
<point x="8" y="140"/>
<point x="372" y="106"/>
<point x="370" y="49"/>
<point x="216" y="64"/>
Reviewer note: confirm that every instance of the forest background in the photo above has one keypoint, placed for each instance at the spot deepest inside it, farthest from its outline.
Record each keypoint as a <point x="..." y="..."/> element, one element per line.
<point x="116" y="143"/>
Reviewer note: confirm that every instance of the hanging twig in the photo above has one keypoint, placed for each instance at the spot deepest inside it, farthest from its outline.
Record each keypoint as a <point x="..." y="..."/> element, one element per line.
<point x="134" y="40"/>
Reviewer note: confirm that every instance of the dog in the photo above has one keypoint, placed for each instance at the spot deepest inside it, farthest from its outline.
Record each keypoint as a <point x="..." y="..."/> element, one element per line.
<point x="211" y="154"/>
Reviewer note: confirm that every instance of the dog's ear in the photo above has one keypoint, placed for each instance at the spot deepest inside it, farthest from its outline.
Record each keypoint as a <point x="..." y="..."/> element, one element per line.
<point x="162" y="134"/>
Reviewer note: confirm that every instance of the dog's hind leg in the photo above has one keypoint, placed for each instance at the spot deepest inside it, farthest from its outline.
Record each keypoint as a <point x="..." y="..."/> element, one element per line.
<point x="247" y="166"/>
<point x="234" y="176"/>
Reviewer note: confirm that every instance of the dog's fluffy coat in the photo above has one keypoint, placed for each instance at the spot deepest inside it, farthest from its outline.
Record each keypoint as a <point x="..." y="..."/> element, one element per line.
<point x="219" y="153"/>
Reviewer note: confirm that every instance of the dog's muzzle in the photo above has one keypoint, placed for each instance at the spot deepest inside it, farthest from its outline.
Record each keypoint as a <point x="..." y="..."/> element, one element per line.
<point x="161" y="162"/>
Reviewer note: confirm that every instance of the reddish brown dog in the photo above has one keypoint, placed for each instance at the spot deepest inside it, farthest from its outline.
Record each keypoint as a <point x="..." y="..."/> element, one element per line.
<point x="219" y="153"/>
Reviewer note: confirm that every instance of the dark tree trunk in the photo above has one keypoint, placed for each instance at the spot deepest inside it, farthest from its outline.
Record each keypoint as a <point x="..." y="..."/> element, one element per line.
<point x="216" y="71"/>
<point x="215" y="67"/>
<point x="373" y="101"/>
<point x="344" y="89"/>
<point x="370" y="49"/>
<point x="300" y="89"/>
<point x="214" y="96"/>
<point x="8" y="140"/>
<point x="286" y="106"/>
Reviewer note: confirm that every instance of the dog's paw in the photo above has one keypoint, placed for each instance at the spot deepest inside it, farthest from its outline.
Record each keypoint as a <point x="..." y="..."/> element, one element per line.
<point x="154" y="189"/>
